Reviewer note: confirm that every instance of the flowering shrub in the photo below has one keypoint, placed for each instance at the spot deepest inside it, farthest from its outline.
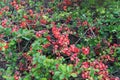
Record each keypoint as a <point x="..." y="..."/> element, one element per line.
<point x="59" y="40"/>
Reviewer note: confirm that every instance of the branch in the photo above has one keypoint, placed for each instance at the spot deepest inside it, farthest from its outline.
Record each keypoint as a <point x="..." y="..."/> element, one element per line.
<point x="82" y="36"/>
<point x="92" y="32"/>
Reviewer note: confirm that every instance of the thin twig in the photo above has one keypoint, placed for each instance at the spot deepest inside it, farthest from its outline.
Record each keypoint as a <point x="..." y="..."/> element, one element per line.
<point x="25" y="46"/>
<point x="115" y="71"/>
<point x="3" y="40"/>
<point x="82" y="36"/>
<point x="19" y="47"/>
<point x="92" y="32"/>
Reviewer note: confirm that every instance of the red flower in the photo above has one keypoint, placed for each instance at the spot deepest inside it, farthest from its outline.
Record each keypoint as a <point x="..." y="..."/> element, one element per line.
<point x="17" y="7"/>
<point x="13" y="3"/>
<point x="40" y="51"/>
<point x="16" y="75"/>
<point x="85" y="23"/>
<point x="1" y="35"/>
<point x="43" y="21"/>
<point x="73" y="57"/>
<point x="15" y="29"/>
<point x="115" y="78"/>
<point x="31" y="11"/>
<point x="64" y="8"/>
<point x="63" y="40"/>
<point x="55" y="32"/>
<point x="49" y="10"/>
<point x="6" y="46"/>
<point x="39" y="33"/>
<point x="86" y="50"/>
<point x="1" y="13"/>
<point x="85" y="75"/>
<point x="23" y="24"/>
<point x="25" y="16"/>
<point x="67" y="2"/>
<point x="48" y="38"/>
<point x="46" y="45"/>
<point x="4" y="22"/>
<point x="66" y="51"/>
<point x="74" y="49"/>
<point x="85" y="64"/>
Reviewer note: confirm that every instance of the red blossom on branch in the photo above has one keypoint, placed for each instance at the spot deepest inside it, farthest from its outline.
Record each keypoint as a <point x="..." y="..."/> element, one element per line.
<point x="86" y="50"/>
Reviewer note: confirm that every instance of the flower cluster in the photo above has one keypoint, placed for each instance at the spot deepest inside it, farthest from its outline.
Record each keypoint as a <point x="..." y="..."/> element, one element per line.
<point x="86" y="50"/>
<point x="100" y="70"/>
<point x="62" y="44"/>
<point x="40" y="33"/>
<point x="15" y="5"/>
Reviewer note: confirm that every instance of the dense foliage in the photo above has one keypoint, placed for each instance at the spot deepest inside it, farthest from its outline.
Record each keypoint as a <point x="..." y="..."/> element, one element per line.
<point x="59" y="40"/>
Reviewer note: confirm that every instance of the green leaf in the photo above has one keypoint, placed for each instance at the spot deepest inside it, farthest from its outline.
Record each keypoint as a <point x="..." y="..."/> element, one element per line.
<point x="69" y="68"/>
<point x="27" y="77"/>
<point x="25" y="38"/>
<point x="57" y="73"/>
<point x="92" y="71"/>
<point x="43" y="79"/>
<point x="74" y="75"/>
<point x="61" y="76"/>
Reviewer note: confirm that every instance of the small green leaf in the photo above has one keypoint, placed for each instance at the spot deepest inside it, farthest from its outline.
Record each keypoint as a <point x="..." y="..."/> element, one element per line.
<point x="74" y="75"/>
<point x="25" y="38"/>
<point x="61" y="76"/>
<point x="43" y="79"/>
